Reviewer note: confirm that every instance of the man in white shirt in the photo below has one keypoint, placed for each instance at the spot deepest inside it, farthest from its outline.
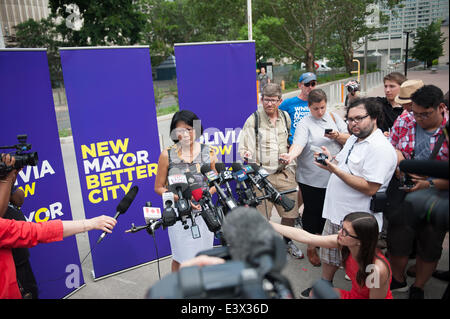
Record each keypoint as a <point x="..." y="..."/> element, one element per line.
<point x="364" y="167"/>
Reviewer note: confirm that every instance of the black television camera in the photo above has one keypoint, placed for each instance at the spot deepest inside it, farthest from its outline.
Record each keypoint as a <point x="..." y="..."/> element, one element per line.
<point x="22" y="159"/>
<point x="430" y="205"/>
<point x="254" y="259"/>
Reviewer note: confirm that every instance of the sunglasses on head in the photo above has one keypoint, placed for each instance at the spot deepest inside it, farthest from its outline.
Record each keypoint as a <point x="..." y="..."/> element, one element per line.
<point x="310" y="84"/>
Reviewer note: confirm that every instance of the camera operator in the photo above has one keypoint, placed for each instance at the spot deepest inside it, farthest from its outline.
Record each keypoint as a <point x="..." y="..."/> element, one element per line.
<point x="354" y="89"/>
<point x="15" y="234"/>
<point x="25" y="276"/>
<point x="423" y="139"/>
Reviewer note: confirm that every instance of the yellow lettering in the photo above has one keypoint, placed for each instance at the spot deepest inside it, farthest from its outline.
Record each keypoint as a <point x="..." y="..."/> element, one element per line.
<point x="117" y="173"/>
<point x="105" y="179"/>
<point x="152" y="169"/>
<point x="119" y="145"/>
<point x="141" y="172"/>
<point x="91" y="196"/>
<point x="102" y="148"/>
<point x="29" y="190"/>
<point x="226" y="149"/>
<point x="92" y="181"/>
<point x="125" y="159"/>
<point x="126" y="188"/>
<point x="114" y="189"/>
<point x="105" y="194"/>
<point x="88" y="150"/>
<point x="38" y="213"/>
<point x="129" y="171"/>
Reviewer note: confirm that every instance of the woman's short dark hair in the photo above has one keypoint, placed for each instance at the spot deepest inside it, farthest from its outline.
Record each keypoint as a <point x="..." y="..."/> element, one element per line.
<point x="188" y="117"/>
<point x="316" y="96"/>
<point x="366" y="229"/>
<point x="372" y="106"/>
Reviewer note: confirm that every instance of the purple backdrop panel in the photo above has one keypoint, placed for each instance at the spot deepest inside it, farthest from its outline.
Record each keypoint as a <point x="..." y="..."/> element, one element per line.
<point x="217" y="81"/>
<point x="113" y="118"/>
<point x="26" y="105"/>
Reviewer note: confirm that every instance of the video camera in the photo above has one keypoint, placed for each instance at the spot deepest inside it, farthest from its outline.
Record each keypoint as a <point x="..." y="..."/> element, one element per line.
<point x="254" y="259"/>
<point x="429" y="205"/>
<point x="22" y="159"/>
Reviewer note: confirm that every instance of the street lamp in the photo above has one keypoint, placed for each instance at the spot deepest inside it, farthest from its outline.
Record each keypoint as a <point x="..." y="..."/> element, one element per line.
<point x="406" y="52"/>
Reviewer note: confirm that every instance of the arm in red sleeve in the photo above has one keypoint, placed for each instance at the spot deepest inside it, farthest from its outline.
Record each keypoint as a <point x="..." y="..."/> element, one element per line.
<point x="14" y="234"/>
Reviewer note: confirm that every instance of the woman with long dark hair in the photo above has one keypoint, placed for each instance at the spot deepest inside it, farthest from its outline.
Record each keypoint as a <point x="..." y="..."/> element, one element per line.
<point x="357" y="239"/>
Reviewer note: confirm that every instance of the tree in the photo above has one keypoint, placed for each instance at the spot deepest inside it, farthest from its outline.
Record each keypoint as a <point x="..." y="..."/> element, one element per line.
<point x="294" y="27"/>
<point x="428" y="43"/>
<point x="106" y="22"/>
<point x="42" y="34"/>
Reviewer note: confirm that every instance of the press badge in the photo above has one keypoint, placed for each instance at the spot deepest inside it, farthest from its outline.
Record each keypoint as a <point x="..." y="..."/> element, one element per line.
<point x="195" y="231"/>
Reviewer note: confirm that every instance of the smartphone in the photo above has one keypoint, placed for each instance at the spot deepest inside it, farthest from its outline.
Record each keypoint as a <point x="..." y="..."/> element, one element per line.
<point x="406" y="187"/>
<point x="328" y="130"/>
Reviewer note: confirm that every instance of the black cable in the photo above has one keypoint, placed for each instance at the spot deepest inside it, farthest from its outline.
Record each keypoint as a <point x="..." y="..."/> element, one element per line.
<point x="157" y="255"/>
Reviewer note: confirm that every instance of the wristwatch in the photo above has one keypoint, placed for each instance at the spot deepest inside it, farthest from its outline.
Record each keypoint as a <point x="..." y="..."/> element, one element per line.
<point x="431" y="183"/>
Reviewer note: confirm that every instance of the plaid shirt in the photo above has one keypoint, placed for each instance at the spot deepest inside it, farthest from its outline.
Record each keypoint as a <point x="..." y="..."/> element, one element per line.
<point x="403" y="135"/>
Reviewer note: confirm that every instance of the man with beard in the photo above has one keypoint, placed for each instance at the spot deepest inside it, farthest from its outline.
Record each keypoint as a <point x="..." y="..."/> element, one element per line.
<point x="362" y="168"/>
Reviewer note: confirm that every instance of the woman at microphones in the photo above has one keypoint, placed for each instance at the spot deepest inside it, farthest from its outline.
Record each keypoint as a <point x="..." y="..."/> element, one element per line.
<point x="186" y="156"/>
<point x="363" y="262"/>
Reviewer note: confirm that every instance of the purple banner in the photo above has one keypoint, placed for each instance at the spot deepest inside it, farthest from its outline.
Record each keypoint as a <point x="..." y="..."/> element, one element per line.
<point x="217" y="81"/>
<point x="113" y="118"/>
<point x="26" y="105"/>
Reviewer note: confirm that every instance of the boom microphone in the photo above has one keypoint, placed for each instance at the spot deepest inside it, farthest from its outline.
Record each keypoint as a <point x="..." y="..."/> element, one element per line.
<point x="122" y="207"/>
<point x="432" y="168"/>
<point x="252" y="239"/>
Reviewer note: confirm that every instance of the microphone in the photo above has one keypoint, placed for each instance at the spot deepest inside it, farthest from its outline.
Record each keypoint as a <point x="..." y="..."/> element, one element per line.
<point x="122" y="207"/>
<point x="252" y="239"/>
<point x="225" y="176"/>
<point x="261" y="180"/>
<point x="178" y="184"/>
<point x="432" y="168"/>
<point x="241" y="176"/>
<point x="203" y="197"/>
<point x="214" y="180"/>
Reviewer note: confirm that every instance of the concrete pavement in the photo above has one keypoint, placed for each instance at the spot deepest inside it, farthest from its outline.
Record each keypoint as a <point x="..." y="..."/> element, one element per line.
<point x="134" y="284"/>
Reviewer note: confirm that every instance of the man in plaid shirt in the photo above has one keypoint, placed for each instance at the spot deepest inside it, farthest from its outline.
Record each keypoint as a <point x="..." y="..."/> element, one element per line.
<point x="414" y="137"/>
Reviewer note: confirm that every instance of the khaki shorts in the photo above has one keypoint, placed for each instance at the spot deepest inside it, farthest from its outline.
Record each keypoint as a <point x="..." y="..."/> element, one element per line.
<point x="281" y="182"/>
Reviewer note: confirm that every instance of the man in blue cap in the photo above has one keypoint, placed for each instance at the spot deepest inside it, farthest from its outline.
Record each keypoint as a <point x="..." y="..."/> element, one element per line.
<point x="297" y="106"/>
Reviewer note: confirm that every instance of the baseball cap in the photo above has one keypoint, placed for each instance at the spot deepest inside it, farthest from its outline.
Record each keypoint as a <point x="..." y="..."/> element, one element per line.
<point x="307" y="77"/>
<point x="406" y="91"/>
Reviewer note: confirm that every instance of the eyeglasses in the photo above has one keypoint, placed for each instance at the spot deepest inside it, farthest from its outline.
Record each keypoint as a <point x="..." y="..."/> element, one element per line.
<point x="356" y="119"/>
<point x="310" y="84"/>
<point x="345" y="232"/>
<point x="270" y="101"/>
<point x="423" y="115"/>
<point x="182" y="130"/>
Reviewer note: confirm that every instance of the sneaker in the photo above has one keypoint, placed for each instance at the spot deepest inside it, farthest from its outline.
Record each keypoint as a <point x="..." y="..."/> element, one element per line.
<point x="399" y="286"/>
<point x="416" y="293"/>
<point x="347" y="277"/>
<point x="305" y="294"/>
<point x="294" y="251"/>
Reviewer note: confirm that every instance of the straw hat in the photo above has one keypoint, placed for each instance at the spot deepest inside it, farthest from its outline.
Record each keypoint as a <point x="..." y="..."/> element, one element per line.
<point x="406" y="90"/>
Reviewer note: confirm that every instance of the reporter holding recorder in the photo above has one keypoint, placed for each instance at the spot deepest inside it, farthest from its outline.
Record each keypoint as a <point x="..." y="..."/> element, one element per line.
<point x="356" y="239"/>
<point x="312" y="180"/>
<point x="15" y="234"/>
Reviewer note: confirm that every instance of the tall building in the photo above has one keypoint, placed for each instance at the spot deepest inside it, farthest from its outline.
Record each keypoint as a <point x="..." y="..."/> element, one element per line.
<point x="14" y="12"/>
<point x="408" y="16"/>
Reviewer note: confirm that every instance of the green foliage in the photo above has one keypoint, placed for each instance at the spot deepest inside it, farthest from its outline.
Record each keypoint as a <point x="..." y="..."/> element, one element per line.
<point x="428" y="44"/>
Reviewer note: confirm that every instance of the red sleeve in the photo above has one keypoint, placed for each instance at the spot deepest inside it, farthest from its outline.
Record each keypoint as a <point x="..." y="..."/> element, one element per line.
<point x="15" y="234"/>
